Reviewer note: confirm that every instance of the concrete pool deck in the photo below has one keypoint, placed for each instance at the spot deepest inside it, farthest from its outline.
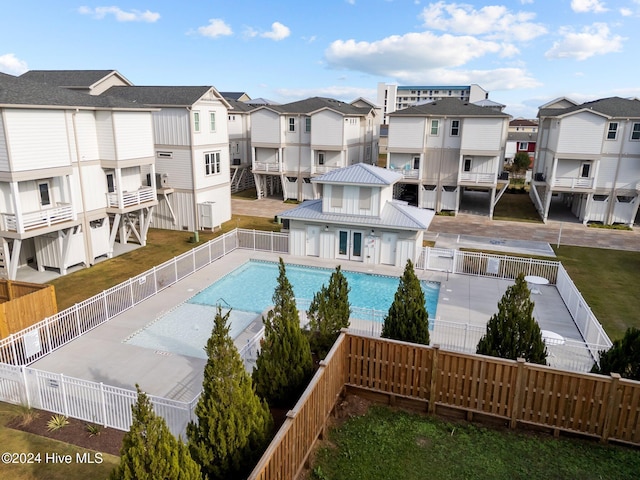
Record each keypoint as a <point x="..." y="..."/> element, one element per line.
<point x="101" y="356"/>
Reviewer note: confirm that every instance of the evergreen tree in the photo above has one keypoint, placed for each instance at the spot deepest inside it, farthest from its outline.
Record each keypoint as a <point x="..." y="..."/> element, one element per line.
<point x="623" y="357"/>
<point x="284" y="364"/>
<point x="521" y="162"/>
<point x="408" y="319"/>
<point x="149" y="450"/>
<point x="329" y="312"/>
<point x="234" y="424"/>
<point x="513" y="332"/>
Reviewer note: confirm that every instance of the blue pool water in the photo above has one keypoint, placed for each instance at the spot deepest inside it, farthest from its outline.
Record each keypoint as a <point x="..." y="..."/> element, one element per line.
<point x="250" y="287"/>
<point x="248" y="291"/>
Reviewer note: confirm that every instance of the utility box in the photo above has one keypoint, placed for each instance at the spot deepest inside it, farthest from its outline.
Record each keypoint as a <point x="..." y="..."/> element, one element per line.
<point x="207" y="215"/>
<point x="162" y="180"/>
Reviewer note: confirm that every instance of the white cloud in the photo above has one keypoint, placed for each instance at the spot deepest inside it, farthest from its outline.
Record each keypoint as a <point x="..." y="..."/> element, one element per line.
<point x="525" y="2"/>
<point x="413" y="52"/>
<point x="592" y="40"/>
<point x="626" y="12"/>
<point x="351" y="2"/>
<point x="493" y="21"/>
<point x="12" y="65"/>
<point x="585" y="6"/>
<point x="278" y="32"/>
<point x="216" y="28"/>
<point x="120" y="15"/>
<point x="492" y="80"/>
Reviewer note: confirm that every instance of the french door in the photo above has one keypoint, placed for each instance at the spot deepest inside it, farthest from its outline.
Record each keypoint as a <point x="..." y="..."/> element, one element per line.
<point x="350" y="245"/>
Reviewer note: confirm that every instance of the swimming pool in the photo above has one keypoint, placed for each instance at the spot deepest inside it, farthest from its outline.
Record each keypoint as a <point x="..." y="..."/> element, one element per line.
<point x="248" y="292"/>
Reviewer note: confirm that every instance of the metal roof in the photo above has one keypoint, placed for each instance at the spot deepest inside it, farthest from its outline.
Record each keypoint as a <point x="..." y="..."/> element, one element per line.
<point x="19" y="91"/>
<point x="395" y="214"/>
<point x="360" y="174"/>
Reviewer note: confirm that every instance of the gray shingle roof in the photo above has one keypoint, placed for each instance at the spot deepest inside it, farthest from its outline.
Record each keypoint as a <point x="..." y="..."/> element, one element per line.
<point x="395" y="215"/>
<point x="160" y="95"/>
<point x="314" y="104"/>
<point x="18" y="91"/>
<point x="360" y="174"/>
<point x="238" y="106"/>
<point x="232" y="95"/>
<point x="448" y="106"/>
<point x="522" y="136"/>
<point x="611" y="107"/>
<point x="67" y="78"/>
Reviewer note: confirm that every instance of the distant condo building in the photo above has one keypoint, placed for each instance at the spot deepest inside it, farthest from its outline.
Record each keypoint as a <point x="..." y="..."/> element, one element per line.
<point x="397" y="97"/>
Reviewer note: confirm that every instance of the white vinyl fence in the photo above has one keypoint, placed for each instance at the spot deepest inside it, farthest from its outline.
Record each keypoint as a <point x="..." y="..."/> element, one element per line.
<point x="89" y="401"/>
<point x="111" y="406"/>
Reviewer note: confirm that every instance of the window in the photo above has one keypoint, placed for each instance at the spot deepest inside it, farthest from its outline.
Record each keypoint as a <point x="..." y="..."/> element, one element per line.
<point x="320" y="158"/>
<point x="635" y="131"/>
<point x="416" y="163"/>
<point x="212" y="121"/>
<point x="455" y="128"/>
<point x="164" y="154"/>
<point x="212" y="163"/>
<point x="337" y="191"/>
<point x="613" y="131"/>
<point x="196" y="121"/>
<point x="111" y="186"/>
<point x="307" y="124"/>
<point x="467" y="164"/>
<point x="45" y="198"/>
<point x="435" y="124"/>
<point x="523" y="146"/>
<point x="585" y="169"/>
<point x="232" y="118"/>
<point x="365" y="198"/>
<point x="292" y="124"/>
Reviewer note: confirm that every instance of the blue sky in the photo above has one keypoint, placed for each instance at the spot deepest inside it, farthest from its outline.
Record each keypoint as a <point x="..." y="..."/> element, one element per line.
<point x="524" y="52"/>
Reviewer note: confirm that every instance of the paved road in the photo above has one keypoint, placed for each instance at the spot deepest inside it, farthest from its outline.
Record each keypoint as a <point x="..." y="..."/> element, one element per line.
<point x="569" y="233"/>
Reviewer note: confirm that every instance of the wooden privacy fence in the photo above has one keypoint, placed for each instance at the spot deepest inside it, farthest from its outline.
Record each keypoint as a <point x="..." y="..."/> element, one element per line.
<point x="436" y="381"/>
<point x="22" y="304"/>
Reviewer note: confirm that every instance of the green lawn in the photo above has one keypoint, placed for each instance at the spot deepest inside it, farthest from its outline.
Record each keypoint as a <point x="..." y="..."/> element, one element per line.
<point x="389" y="444"/>
<point x="606" y="279"/>
<point x="21" y="442"/>
<point x="516" y="207"/>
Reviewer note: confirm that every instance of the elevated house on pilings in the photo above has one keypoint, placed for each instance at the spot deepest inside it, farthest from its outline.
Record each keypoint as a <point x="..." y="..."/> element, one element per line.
<point x="71" y="175"/>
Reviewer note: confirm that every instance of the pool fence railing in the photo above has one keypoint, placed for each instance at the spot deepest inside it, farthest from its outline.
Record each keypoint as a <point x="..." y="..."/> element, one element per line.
<point x="25" y="347"/>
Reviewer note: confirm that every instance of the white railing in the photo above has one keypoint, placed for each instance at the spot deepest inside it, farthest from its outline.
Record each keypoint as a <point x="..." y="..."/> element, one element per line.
<point x="320" y="169"/>
<point x="573" y="182"/>
<point x="469" y="177"/>
<point x="111" y="406"/>
<point x="38" y="219"/>
<point x="583" y="317"/>
<point x="129" y="199"/>
<point x="267" y="167"/>
<point x="89" y="401"/>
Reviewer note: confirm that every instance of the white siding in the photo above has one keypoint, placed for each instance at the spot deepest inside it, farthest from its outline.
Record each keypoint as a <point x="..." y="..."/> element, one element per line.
<point x="206" y="136"/>
<point x="178" y="168"/>
<point x="222" y="206"/>
<point x="4" y="156"/>
<point x="327" y="129"/>
<point x="482" y="134"/>
<point x="182" y="205"/>
<point x="134" y="134"/>
<point x="629" y="174"/>
<point x="37" y="138"/>
<point x="171" y="127"/>
<point x="606" y="173"/>
<point x="406" y="132"/>
<point x="265" y="127"/>
<point x="95" y="187"/>
<point x="87" y="136"/>
<point x="203" y="180"/>
<point x="352" y="130"/>
<point x="104" y="130"/>
<point x="581" y="133"/>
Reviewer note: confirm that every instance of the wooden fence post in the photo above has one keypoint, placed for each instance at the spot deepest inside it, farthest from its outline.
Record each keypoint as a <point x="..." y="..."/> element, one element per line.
<point x="612" y="401"/>
<point x="518" y="395"/>
<point x="434" y="377"/>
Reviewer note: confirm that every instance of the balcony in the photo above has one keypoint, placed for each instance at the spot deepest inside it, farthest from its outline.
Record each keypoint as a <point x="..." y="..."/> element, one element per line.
<point x="321" y="169"/>
<point x="268" y="167"/>
<point x="477" y="178"/>
<point x="573" y="183"/>
<point x="38" y="219"/>
<point x="406" y="171"/>
<point x="131" y="199"/>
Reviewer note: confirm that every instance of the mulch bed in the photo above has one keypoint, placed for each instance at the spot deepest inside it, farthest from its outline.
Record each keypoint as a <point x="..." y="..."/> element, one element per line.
<point x="109" y="440"/>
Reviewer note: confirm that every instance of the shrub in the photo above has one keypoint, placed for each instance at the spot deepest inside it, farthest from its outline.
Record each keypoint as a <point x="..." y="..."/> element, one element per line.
<point x="623" y="357"/>
<point x="57" y="422"/>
